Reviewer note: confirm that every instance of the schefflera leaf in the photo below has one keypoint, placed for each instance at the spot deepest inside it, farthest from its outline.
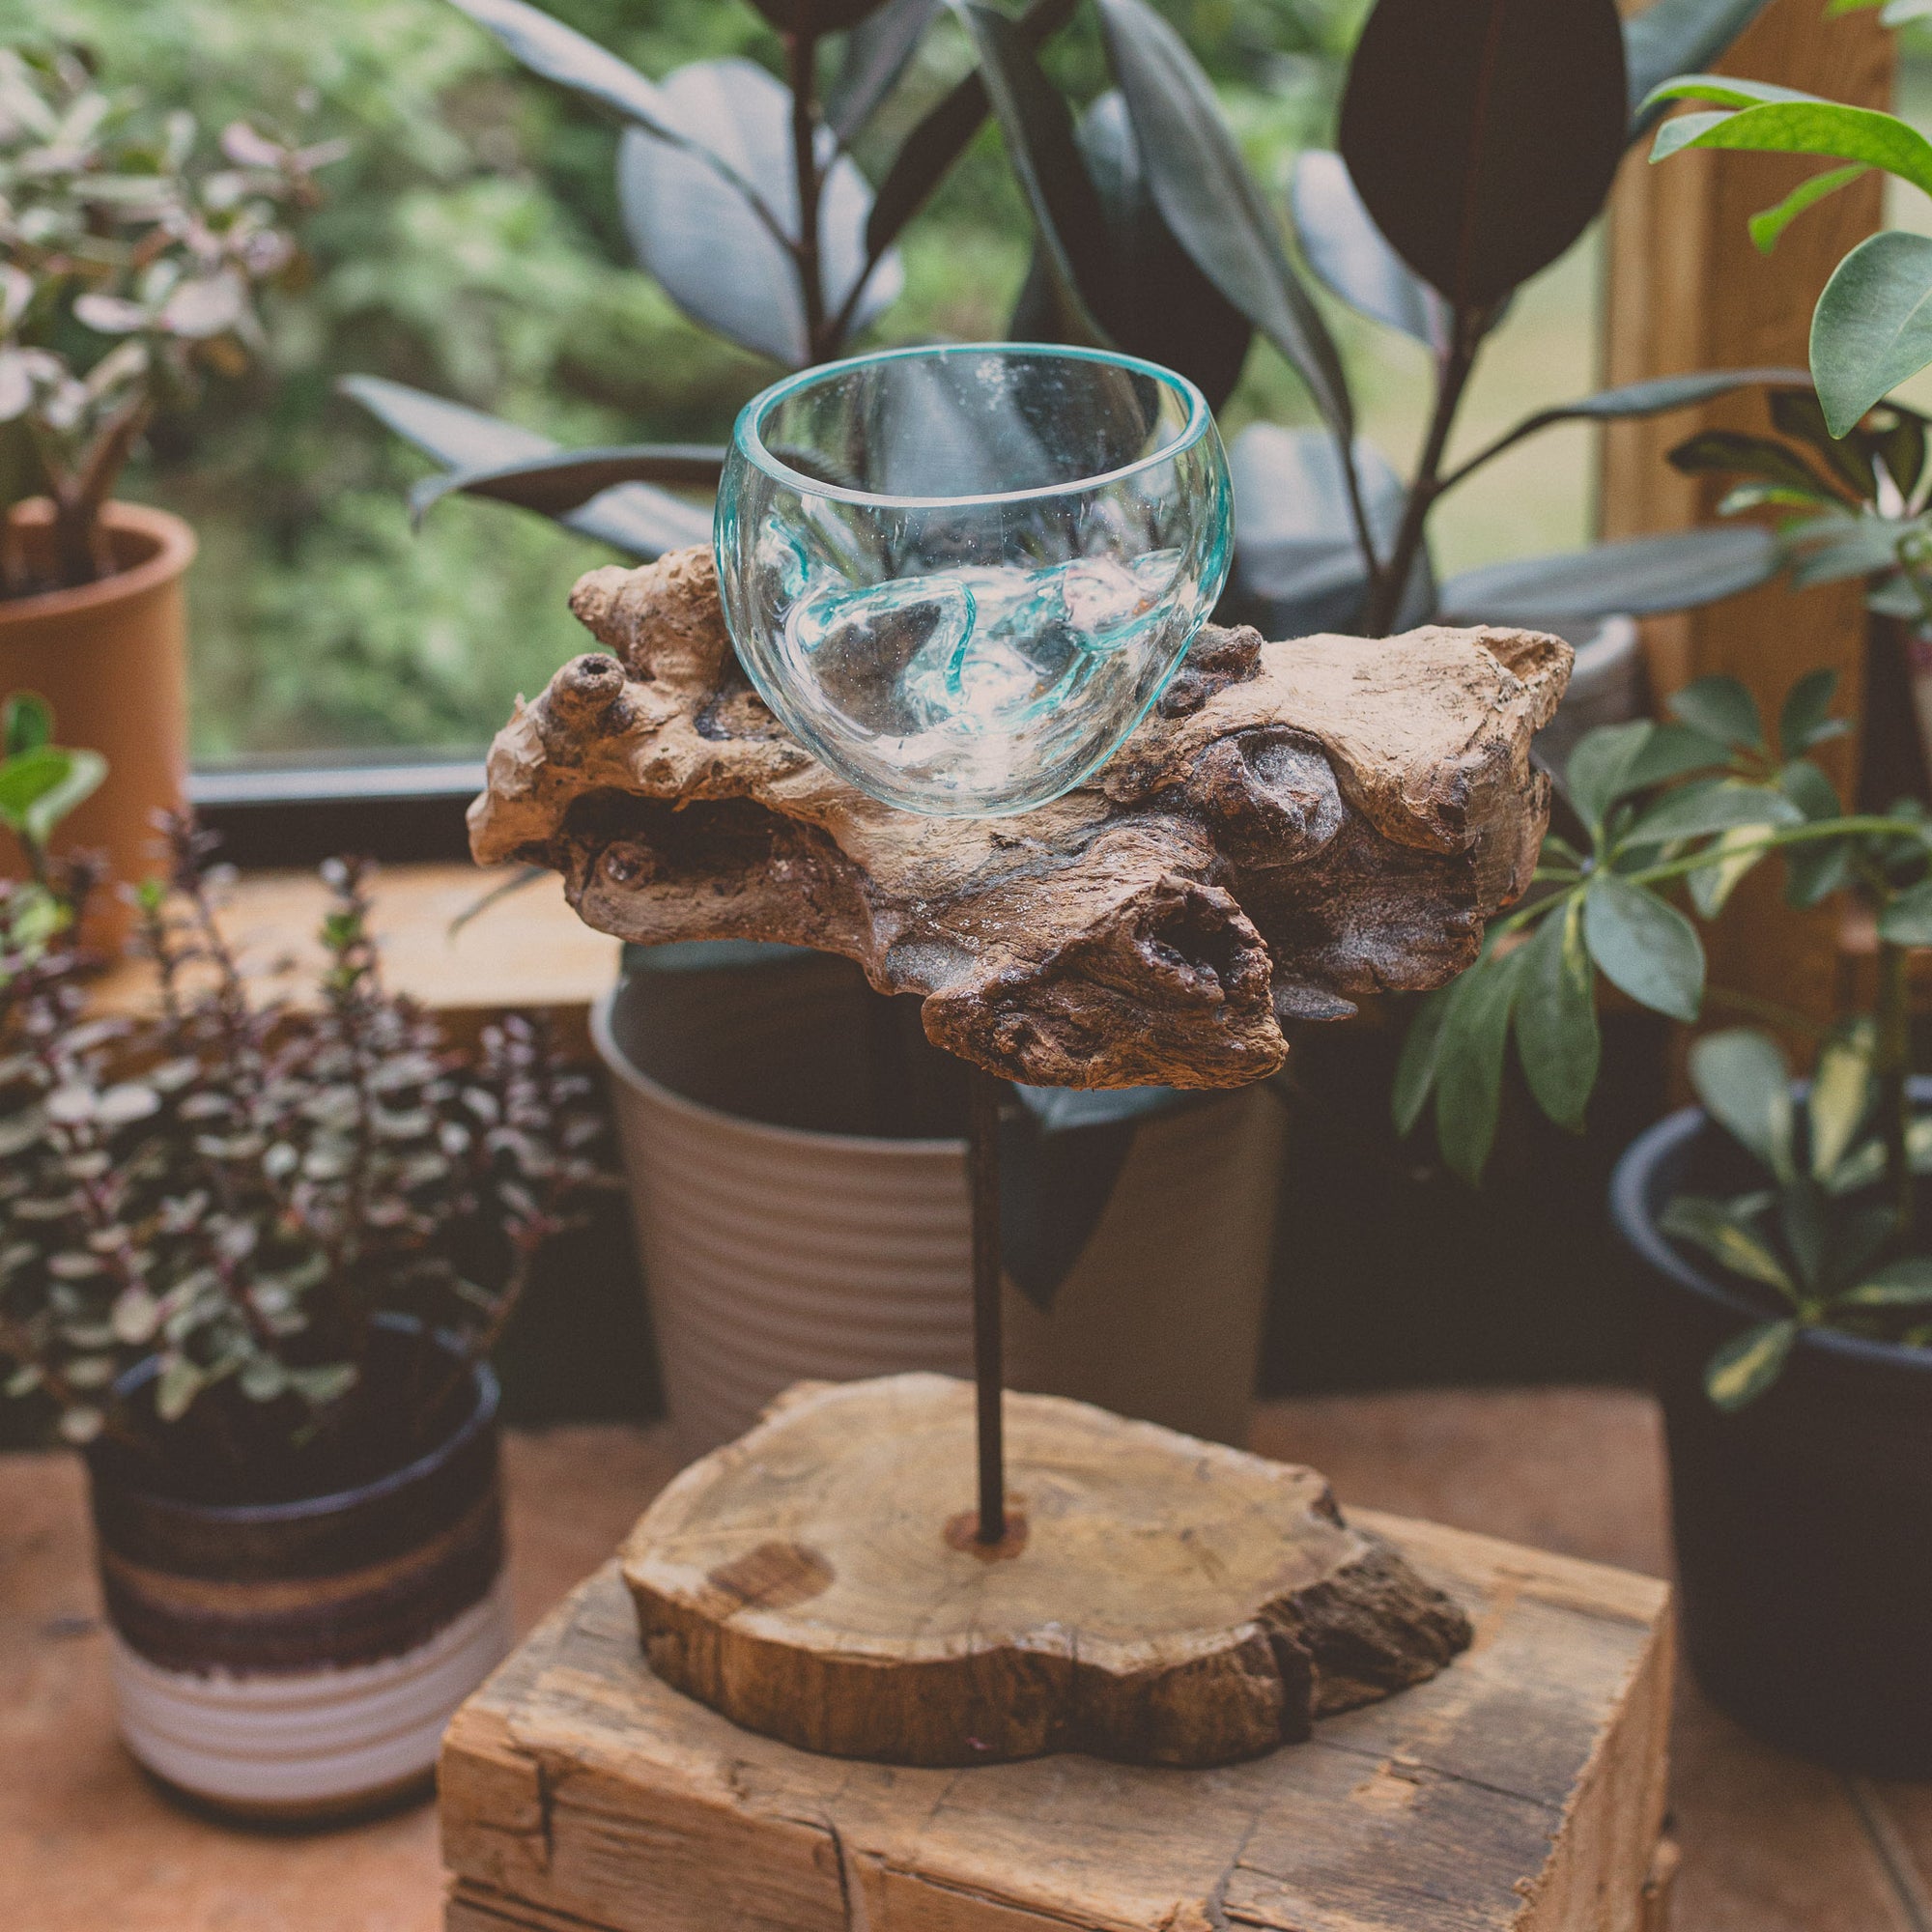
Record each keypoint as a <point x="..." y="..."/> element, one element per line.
<point x="1557" y="1030"/>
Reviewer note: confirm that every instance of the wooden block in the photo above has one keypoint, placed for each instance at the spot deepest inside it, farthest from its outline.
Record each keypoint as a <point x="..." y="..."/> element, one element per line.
<point x="1522" y="1787"/>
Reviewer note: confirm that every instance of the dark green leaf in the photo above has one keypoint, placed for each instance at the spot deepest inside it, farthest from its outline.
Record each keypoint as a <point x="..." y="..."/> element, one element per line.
<point x="1556" y="1032"/>
<point x="1673" y="37"/>
<point x="1298" y="568"/>
<point x="1907" y="920"/>
<point x="1469" y="1061"/>
<point x="878" y="52"/>
<point x="1599" y="770"/>
<point x="1902" y="449"/>
<point x="1872" y="328"/>
<point x="1671" y="752"/>
<point x="1645" y="946"/>
<point x="1798" y="414"/>
<point x="1820" y="867"/>
<point x="1722" y="708"/>
<point x="1210" y="201"/>
<point x="1725" y="1231"/>
<point x="944" y="132"/>
<point x="1069" y="227"/>
<point x="555" y="485"/>
<point x="637" y="519"/>
<point x="1415" y="1069"/>
<point x="1730" y="452"/>
<point x="1802" y="1219"/>
<point x="1742" y="1370"/>
<point x="1742" y="1078"/>
<point x="1634" y="577"/>
<point x="1656" y="396"/>
<point x="1806" y="717"/>
<point x="26" y="722"/>
<point x="1483" y="158"/>
<point x="1716" y="805"/>
<point x="1157" y="303"/>
<point x="1351" y="257"/>
<point x="1770" y="223"/>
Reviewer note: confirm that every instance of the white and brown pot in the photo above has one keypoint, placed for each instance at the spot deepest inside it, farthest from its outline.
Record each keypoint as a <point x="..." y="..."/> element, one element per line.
<point x="297" y="1661"/>
<point x="111" y="658"/>
<point x="785" y="1237"/>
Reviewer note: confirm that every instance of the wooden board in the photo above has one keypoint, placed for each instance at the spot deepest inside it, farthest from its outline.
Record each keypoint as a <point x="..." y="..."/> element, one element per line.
<point x="1521" y="1788"/>
<point x="1155" y="1597"/>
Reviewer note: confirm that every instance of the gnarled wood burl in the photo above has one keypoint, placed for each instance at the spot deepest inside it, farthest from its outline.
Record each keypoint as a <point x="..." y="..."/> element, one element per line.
<point x="1294" y="826"/>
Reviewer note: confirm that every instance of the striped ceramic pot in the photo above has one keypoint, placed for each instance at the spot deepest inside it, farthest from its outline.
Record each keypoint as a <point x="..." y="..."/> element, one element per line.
<point x="295" y="1662"/>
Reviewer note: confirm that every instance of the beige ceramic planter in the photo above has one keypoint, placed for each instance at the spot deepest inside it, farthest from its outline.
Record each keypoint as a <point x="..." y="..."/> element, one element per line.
<point x="775" y="1252"/>
<point x="111" y="658"/>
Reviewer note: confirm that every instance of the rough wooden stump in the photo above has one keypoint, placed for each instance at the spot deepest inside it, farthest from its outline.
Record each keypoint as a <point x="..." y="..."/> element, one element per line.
<point x="1156" y="1599"/>
<point x="1518" y="1790"/>
<point x="1296" y="826"/>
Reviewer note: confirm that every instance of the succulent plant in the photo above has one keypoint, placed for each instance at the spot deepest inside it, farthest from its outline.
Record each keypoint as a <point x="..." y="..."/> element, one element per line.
<point x="208" y="1210"/>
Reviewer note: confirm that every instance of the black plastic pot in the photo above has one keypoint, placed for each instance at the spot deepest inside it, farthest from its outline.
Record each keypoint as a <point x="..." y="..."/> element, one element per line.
<point x="1803" y="1521"/>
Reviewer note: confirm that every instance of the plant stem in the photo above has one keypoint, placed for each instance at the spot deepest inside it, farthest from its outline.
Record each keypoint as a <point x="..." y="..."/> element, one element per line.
<point x="1391" y="582"/>
<point x="800" y="58"/>
<point x="1892" y="1065"/>
<point x="1767" y="1010"/>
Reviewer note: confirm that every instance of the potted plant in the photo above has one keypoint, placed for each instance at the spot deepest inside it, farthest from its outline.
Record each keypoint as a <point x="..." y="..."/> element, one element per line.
<point x="131" y="265"/>
<point x="253" y="1258"/>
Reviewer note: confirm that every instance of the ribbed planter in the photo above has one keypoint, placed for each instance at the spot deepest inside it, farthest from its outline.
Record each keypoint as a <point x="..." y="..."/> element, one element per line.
<point x="297" y="1661"/>
<point x="1801" y="1520"/>
<point x="779" y="1247"/>
<point x="111" y="658"/>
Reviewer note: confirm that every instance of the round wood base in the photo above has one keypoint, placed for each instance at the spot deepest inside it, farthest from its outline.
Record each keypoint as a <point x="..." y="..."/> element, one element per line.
<point x="1156" y="1599"/>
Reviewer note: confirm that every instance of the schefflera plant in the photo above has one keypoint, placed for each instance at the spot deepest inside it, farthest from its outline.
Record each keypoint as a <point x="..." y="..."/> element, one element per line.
<point x="207" y="1213"/>
<point x="1682" y="811"/>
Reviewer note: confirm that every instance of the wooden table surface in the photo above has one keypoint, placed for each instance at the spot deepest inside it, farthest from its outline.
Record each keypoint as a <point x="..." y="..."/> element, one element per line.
<point x="86" y="1845"/>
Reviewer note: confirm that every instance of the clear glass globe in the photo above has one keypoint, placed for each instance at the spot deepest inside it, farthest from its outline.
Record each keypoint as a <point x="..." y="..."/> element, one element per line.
<point x="960" y="575"/>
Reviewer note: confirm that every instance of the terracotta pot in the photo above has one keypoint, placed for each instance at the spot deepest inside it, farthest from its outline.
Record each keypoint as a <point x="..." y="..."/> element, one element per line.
<point x="780" y="1245"/>
<point x="111" y="658"/>
<point x="294" y="1662"/>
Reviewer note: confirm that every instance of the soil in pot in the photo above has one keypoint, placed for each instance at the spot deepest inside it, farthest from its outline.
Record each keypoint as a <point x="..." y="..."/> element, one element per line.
<point x="1800" y="1519"/>
<point x="111" y="658"/>
<point x="296" y="1658"/>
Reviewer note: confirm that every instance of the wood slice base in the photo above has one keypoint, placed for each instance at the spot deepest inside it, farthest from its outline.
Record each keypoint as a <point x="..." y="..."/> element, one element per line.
<point x="1156" y="1599"/>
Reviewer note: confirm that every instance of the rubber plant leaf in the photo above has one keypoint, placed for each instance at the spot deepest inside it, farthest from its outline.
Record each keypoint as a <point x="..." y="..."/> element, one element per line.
<point x="1351" y="257"/>
<point x="1637" y="576"/>
<point x="1156" y="303"/>
<point x="1211" y="201"/>
<point x="877" y="52"/>
<point x="636" y="518"/>
<point x="555" y="485"/>
<point x="1673" y="37"/>
<point x="1872" y="328"/>
<point x="1070" y="230"/>
<point x="716" y="256"/>
<point x="1483" y="135"/>
<point x="944" y="132"/>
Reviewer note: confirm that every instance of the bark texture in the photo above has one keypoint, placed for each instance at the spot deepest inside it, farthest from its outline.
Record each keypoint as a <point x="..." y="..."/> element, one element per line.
<point x="1157" y="1598"/>
<point x="1296" y="826"/>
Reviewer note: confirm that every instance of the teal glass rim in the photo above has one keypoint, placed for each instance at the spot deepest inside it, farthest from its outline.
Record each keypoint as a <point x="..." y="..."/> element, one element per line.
<point x="750" y="445"/>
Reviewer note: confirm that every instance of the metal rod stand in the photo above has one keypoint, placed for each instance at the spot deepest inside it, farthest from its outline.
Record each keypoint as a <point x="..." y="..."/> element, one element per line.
<point x="983" y="1174"/>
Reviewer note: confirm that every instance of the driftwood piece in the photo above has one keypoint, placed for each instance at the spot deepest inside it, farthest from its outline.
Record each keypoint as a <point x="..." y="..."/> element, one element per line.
<point x="1294" y="826"/>
<point x="1157" y="1598"/>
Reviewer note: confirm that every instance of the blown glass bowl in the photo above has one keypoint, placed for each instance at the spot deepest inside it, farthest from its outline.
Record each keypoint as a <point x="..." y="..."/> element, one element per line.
<point x="960" y="576"/>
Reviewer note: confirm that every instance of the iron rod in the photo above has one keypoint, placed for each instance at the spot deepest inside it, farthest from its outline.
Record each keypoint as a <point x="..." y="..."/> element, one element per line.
<point x="983" y="1173"/>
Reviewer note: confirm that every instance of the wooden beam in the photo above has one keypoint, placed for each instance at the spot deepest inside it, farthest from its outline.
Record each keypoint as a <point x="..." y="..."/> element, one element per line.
<point x="1686" y="290"/>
